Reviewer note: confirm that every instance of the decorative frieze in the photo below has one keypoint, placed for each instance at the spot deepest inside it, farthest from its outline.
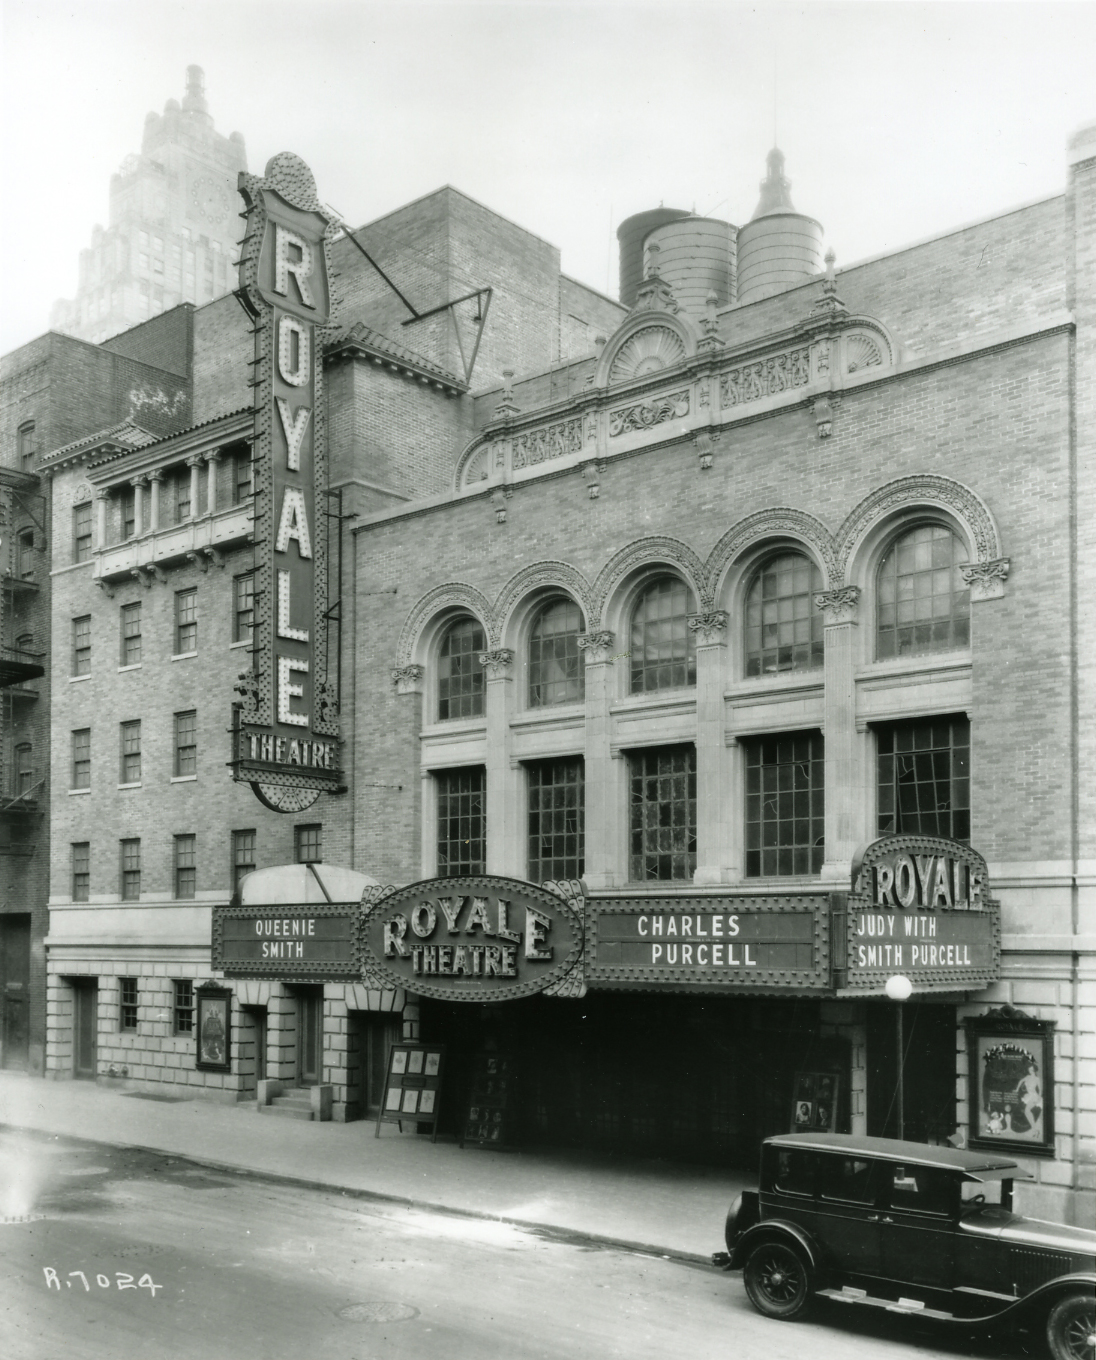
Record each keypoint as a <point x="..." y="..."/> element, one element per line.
<point x="645" y="415"/>
<point x="840" y="605"/>
<point x="597" y="646"/>
<point x="550" y="441"/>
<point x="710" y="627"/>
<point x="986" y="579"/>
<point x="765" y="378"/>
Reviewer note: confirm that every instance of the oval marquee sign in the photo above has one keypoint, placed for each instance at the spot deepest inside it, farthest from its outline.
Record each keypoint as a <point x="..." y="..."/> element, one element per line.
<point x="474" y="939"/>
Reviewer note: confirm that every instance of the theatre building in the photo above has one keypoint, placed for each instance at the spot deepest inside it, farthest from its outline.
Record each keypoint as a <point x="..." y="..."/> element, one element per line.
<point x="700" y="675"/>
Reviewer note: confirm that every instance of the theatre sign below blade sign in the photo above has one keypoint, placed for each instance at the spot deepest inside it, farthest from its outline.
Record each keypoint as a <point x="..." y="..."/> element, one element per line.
<point x="286" y="729"/>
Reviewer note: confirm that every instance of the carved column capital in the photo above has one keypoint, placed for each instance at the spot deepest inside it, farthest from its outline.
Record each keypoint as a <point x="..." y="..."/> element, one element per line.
<point x="840" y="605"/>
<point x="986" y="579"/>
<point x="142" y="480"/>
<point x="156" y="475"/>
<point x="408" y="679"/>
<point x="212" y="455"/>
<point x="195" y="460"/>
<point x="497" y="663"/>
<point x="596" y="647"/>
<point x="102" y="493"/>
<point x="710" y="627"/>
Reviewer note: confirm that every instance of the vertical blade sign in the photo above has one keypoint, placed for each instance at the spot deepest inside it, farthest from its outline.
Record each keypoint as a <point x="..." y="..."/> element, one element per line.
<point x="286" y="728"/>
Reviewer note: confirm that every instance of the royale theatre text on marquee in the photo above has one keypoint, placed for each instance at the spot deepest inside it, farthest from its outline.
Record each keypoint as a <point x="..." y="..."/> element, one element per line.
<point x="286" y="731"/>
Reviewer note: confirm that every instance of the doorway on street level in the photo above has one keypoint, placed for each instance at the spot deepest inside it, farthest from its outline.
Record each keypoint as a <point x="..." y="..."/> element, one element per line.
<point x="14" y="991"/>
<point x="85" y="1028"/>
<point x="309" y="1035"/>
<point x="929" y="1033"/>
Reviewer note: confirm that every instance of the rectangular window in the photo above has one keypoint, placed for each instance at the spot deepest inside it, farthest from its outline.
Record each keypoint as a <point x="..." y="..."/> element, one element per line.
<point x="81" y="531"/>
<point x="557" y="818"/>
<point x="241" y="468"/>
<point x="81" y="758"/>
<point x="924" y="778"/>
<point x="186" y="742"/>
<point x="785" y="804"/>
<point x="184" y="1006"/>
<point x="81" y="870"/>
<point x="308" y="843"/>
<point x="243" y="621"/>
<point x="182" y="495"/>
<point x="131" y="633"/>
<point x="129" y="512"/>
<point x="131" y="870"/>
<point x="243" y="856"/>
<point x="663" y="813"/>
<point x="130" y="772"/>
<point x="186" y="621"/>
<point x="462" y="822"/>
<point x="25" y="545"/>
<point x="81" y="645"/>
<point x="28" y="445"/>
<point x="127" y="988"/>
<point x="186" y="869"/>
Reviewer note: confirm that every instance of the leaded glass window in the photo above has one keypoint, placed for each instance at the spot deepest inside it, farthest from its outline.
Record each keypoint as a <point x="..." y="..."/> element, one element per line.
<point x="923" y="602"/>
<point x="663" y="813"/>
<point x="783" y="628"/>
<point x="924" y="778"/>
<point x="460" y="675"/>
<point x="663" y="646"/>
<point x="785" y="804"/>
<point x="462" y="822"/>
<point x="556" y="672"/>
<point x="557" y="817"/>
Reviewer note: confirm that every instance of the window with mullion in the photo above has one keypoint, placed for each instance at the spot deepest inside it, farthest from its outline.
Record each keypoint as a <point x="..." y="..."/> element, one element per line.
<point x="784" y="631"/>
<point x="924" y="778"/>
<point x="131" y="634"/>
<point x="186" y="743"/>
<point x="663" y="646"/>
<point x="128" y="1000"/>
<point x="460" y="675"/>
<point x="130" y="772"/>
<point x="129" y="512"/>
<point x="556" y="671"/>
<point x="462" y="822"/>
<point x="81" y="645"/>
<point x="922" y="603"/>
<point x="186" y="866"/>
<point x="182" y="494"/>
<point x="785" y="805"/>
<point x="557" y="819"/>
<point x="184" y="1006"/>
<point x="186" y="621"/>
<point x="244" y="617"/>
<point x="663" y="813"/>
<point x="131" y="870"/>
<point x="81" y="758"/>
<point x="243" y="856"/>
<point x="81" y="531"/>
<point x="81" y="870"/>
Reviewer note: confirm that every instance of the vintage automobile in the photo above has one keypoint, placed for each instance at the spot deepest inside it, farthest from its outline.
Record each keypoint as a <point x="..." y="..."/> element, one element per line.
<point x="911" y="1228"/>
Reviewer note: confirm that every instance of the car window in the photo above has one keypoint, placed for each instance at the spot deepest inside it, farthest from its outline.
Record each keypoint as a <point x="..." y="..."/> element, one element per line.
<point x="977" y="1193"/>
<point x="922" y="1189"/>
<point x="852" y="1179"/>
<point x="794" y="1172"/>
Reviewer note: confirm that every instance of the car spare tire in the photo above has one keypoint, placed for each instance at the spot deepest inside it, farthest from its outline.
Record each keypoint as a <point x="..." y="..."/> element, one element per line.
<point x="778" y="1280"/>
<point x="1071" y="1328"/>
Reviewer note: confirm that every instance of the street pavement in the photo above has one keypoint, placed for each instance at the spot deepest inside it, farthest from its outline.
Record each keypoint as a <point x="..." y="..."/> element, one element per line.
<point x="122" y="1251"/>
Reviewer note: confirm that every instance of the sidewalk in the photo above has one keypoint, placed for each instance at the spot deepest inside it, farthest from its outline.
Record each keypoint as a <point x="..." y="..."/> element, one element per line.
<point x="670" y="1209"/>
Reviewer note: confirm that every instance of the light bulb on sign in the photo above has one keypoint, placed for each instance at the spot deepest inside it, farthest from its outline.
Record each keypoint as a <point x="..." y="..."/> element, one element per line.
<point x="899" y="987"/>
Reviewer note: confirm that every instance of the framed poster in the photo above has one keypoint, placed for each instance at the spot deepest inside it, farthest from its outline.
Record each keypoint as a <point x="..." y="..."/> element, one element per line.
<point x="814" y="1102"/>
<point x="412" y="1086"/>
<point x="212" y="1029"/>
<point x="1011" y="1063"/>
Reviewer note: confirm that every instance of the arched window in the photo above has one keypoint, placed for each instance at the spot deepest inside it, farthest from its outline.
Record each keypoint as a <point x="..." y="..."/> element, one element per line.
<point x="556" y="674"/>
<point x="783" y="628"/>
<point x="923" y="602"/>
<point x="663" y="646"/>
<point x="460" y="675"/>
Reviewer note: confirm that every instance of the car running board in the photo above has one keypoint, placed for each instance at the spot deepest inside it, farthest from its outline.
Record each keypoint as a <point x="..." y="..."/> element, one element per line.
<point x="908" y="1306"/>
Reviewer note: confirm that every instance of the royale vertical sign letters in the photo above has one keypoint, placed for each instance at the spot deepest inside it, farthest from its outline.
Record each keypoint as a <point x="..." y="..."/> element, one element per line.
<point x="286" y="738"/>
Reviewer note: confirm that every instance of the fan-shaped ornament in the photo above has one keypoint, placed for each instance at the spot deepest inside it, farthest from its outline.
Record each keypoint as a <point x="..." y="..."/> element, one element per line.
<point x="861" y="351"/>
<point x="647" y="351"/>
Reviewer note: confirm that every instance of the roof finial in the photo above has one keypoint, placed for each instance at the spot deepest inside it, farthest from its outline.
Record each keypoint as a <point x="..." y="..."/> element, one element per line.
<point x="775" y="189"/>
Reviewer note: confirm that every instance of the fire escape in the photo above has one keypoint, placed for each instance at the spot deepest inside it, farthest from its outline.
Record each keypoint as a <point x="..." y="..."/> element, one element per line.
<point x="23" y="629"/>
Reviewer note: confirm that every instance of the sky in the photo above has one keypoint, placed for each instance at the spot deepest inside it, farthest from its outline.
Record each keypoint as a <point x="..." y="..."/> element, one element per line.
<point x="898" y="121"/>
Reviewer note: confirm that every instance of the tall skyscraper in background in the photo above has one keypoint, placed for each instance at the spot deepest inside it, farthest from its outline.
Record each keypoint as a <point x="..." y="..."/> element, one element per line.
<point x="173" y="224"/>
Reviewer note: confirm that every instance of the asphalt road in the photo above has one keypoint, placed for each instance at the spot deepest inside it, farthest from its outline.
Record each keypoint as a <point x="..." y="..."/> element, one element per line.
<point x="108" y="1252"/>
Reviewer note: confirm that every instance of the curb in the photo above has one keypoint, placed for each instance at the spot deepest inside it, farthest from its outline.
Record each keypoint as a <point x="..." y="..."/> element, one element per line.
<point x="547" y="1230"/>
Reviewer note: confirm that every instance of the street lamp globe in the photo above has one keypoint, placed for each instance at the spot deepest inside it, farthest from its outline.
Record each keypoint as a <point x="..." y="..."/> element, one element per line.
<point x="899" y="987"/>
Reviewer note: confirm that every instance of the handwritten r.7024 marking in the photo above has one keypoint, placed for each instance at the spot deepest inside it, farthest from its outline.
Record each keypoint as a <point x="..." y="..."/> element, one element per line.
<point x="124" y="1281"/>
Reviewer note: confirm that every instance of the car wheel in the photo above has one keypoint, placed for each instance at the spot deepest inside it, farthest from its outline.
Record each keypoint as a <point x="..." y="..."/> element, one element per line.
<point x="1071" y="1328"/>
<point x="778" y="1281"/>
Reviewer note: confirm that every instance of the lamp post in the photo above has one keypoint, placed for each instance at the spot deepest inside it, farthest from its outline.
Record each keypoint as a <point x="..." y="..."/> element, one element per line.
<point x="899" y="988"/>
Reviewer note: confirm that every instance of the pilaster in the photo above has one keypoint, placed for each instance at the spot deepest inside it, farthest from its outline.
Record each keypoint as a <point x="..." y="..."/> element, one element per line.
<point x="713" y="809"/>
<point x="604" y="775"/>
<point x="503" y="805"/>
<point x="847" y="796"/>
